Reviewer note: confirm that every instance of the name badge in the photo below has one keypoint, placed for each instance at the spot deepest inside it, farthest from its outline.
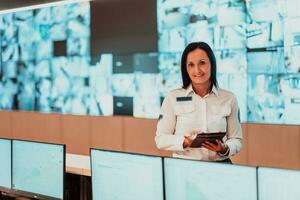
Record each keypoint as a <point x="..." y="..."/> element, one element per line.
<point x="178" y="99"/>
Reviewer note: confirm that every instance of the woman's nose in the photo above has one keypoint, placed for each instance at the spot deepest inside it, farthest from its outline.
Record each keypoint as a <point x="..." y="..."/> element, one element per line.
<point x="198" y="68"/>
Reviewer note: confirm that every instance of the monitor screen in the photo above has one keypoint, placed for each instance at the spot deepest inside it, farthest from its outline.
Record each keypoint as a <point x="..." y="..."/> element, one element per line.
<point x="123" y="105"/>
<point x="186" y="179"/>
<point x="38" y="169"/>
<point x="126" y="176"/>
<point x="131" y="26"/>
<point x="5" y="166"/>
<point x="278" y="184"/>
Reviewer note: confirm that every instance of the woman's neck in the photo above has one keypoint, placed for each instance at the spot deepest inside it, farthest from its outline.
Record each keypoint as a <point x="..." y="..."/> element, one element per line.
<point x="202" y="89"/>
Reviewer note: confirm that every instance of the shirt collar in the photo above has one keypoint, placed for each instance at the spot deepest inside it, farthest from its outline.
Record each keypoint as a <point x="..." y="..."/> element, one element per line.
<point x="189" y="90"/>
<point x="215" y="90"/>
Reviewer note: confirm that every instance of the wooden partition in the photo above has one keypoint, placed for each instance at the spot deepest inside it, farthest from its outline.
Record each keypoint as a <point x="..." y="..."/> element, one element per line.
<point x="274" y="145"/>
<point x="263" y="145"/>
<point x="76" y="134"/>
<point x="36" y="126"/>
<point x="139" y="136"/>
<point x="5" y="124"/>
<point x="107" y="133"/>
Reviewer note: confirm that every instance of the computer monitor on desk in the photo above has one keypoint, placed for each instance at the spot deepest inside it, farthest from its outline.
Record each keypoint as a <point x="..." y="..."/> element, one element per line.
<point x="187" y="179"/>
<point x="277" y="184"/>
<point x="5" y="164"/>
<point x="38" y="169"/>
<point x="117" y="175"/>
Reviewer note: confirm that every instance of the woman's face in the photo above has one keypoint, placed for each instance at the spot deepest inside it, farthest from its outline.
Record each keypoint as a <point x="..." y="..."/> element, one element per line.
<point x="198" y="67"/>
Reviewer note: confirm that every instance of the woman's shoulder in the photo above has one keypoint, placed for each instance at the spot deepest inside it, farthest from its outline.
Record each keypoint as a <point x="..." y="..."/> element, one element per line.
<point x="226" y="93"/>
<point x="176" y="92"/>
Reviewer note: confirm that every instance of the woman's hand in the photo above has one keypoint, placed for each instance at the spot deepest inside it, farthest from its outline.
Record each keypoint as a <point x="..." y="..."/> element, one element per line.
<point x="188" y="139"/>
<point x="187" y="142"/>
<point x="220" y="147"/>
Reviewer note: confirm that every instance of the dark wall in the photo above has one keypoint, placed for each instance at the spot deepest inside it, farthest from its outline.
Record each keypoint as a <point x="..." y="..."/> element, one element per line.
<point x="22" y="3"/>
<point x="123" y="26"/>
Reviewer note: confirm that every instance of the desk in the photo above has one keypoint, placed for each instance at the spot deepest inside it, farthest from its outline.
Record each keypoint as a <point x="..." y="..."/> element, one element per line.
<point x="81" y="188"/>
<point x="78" y="164"/>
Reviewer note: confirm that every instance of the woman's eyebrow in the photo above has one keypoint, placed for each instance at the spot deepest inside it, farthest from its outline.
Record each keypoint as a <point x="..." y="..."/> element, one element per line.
<point x="201" y="59"/>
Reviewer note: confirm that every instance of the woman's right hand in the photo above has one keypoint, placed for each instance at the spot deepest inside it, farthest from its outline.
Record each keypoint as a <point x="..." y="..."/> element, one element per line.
<point x="187" y="142"/>
<point x="188" y="139"/>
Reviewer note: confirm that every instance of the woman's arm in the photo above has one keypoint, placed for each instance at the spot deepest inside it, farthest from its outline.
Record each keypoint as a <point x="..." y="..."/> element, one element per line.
<point x="165" y="138"/>
<point x="234" y="130"/>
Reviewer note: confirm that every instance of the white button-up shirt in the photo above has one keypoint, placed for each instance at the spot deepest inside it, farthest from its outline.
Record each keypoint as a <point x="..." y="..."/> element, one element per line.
<point x="183" y="112"/>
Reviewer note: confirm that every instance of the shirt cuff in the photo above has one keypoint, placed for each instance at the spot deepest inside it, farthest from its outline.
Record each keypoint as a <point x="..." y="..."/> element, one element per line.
<point x="179" y="144"/>
<point x="226" y="153"/>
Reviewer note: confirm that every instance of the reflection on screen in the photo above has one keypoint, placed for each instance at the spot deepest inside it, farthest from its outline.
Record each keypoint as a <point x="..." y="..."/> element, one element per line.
<point x="277" y="184"/>
<point x="38" y="168"/>
<point x="5" y="166"/>
<point x="196" y="180"/>
<point x="126" y="176"/>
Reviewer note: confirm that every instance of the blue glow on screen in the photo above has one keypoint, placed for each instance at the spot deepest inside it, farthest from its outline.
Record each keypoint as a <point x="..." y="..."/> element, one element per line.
<point x="46" y="59"/>
<point x="126" y="176"/>
<point x="38" y="168"/>
<point x="278" y="184"/>
<point x="187" y="179"/>
<point x="45" y="56"/>
<point x="5" y="166"/>
<point x="256" y="45"/>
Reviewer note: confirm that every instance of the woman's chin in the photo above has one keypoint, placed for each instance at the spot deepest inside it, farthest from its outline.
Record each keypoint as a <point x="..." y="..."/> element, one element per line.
<point x="200" y="82"/>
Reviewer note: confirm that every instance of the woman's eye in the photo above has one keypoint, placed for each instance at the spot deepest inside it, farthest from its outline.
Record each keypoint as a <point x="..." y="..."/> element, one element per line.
<point x="202" y="62"/>
<point x="190" y="64"/>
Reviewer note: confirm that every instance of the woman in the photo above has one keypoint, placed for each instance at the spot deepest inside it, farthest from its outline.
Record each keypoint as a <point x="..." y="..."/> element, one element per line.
<point x="199" y="107"/>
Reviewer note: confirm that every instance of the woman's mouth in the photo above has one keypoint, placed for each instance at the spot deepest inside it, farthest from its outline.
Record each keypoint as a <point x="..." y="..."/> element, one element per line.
<point x="198" y="75"/>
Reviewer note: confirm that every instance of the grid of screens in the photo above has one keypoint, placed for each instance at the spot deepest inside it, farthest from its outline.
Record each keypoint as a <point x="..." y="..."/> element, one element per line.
<point x="46" y="63"/>
<point x="5" y="166"/>
<point x="126" y="176"/>
<point x="257" y="48"/>
<point x="193" y="180"/>
<point x="38" y="169"/>
<point x="277" y="184"/>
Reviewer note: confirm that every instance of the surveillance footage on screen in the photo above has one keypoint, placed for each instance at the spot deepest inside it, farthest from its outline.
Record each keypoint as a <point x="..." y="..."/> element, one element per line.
<point x="46" y="63"/>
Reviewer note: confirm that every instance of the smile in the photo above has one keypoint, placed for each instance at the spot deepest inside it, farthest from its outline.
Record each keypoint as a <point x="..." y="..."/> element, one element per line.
<point x="197" y="76"/>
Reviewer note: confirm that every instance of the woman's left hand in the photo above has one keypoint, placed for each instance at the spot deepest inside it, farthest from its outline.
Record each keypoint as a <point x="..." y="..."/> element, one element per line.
<point x="219" y="147"/>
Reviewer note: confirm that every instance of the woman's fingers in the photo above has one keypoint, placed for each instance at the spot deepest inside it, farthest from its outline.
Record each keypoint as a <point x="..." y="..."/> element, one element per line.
<point x="212" y="146"/>
<point x="208" y="145"/>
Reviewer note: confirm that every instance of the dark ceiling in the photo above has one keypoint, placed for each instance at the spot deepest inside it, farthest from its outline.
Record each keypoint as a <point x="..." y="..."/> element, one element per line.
<point x="9" y="4"/>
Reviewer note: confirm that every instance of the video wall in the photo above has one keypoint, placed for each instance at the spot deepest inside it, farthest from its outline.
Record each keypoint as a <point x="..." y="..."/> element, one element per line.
<point x="45" y="59"/>
<point x="257" y="45"/>
<point x="47" y="63"/>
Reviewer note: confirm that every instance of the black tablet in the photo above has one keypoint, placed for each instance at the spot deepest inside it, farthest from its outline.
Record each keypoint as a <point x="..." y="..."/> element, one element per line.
<point x="210" y="137"/>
